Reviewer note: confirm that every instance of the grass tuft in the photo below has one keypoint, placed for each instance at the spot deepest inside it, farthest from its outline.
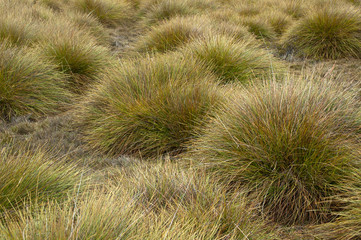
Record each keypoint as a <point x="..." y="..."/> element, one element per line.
<point x="290" y="142"/>
<point x="28" y="85"/>
<point x="110" y="12"/>
<point x="170" y="35"/>
<point x="326" y="34"/>
<point x="76" y="55"/>
<point x="148" y="106"/>
<point x="232" y="60"/>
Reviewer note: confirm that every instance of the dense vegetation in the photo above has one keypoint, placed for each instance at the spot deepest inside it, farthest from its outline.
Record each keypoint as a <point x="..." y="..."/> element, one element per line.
<point x="180" y="119"/>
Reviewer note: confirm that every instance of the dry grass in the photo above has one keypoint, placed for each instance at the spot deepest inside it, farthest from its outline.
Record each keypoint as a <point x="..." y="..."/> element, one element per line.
<point x="291" y="142"/>
<point x="148" y="106"/>
<point x="28" y="85"/>
<point x="327" y="33"/>
<point x="232" y="60"/>
<point x="264" y="153"/>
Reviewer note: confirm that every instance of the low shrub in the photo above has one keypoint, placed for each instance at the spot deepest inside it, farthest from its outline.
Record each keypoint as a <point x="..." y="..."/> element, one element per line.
<point x="233" y="60"/>
<point x="290" y="142"/>
<point x="327" y="33"/>
<point x="148" y="106"/>
<point x="28" y="85"/>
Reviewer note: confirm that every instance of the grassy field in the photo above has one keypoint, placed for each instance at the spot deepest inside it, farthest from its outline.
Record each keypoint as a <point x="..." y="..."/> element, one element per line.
<point x="180" y="119"/>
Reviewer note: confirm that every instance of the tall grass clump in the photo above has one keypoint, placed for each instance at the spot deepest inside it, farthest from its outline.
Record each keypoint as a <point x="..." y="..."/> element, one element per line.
<point x="28" y="85"/>
<point x="148" y="106"/>
<point x="290" y="142"/>
<point x="233" y="60"/>
<point x="327" y="33"/>
<point x="170" y="35"/>
<point x="33" y="176"/>
<point x="77" y="55"/>
<point x="109" y="12"/>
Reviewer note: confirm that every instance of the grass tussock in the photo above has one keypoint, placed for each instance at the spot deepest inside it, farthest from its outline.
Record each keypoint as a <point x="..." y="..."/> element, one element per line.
<point x="91" y="25"/>
<point x="148" y="106"/>
<point x="28" y="85"/>
<point x="16" y="30"/>
<point x="327" y="33"/>
<point x="33" y="176"/>
<point x="109" y="12"/>
<point x="232" y="60"/>
<point x="290" y="142"/>
<point x="170" y="35"/>
<point x="155" y="11"/>
<point x="77" y="56"/>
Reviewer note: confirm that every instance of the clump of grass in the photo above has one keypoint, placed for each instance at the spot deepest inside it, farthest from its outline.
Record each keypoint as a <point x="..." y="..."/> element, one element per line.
<point x="90" y="24"/>
<point x="33" y="176"/>
<point x="110" y="12"/>
<point x="326" y="34"/>
<point x="28" y="85"/>
<point x="155" y="11"/>
<point x="170" y="34"/>
<point x="279" y="21"/>
<point x="291" y="143"/>
<point x="148" y="106"/>
<point x="233" y="60"/>
<point x="76" y="55"/>
<point x="16" y="30"/>
<point x="293" y="8"/>
<point x="259" y="27"/>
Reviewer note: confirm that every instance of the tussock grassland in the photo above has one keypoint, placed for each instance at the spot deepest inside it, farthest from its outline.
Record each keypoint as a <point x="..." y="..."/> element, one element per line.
<point x="180" y="119"/>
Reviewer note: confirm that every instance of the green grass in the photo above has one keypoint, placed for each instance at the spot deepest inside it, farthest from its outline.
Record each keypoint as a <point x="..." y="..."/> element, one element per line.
<point x="148" y="106"/>
<point x="28" y="85"/>
<point x="327" y="33"/>
<point x="291" y="143"/>
<point x="233" y="60"/>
